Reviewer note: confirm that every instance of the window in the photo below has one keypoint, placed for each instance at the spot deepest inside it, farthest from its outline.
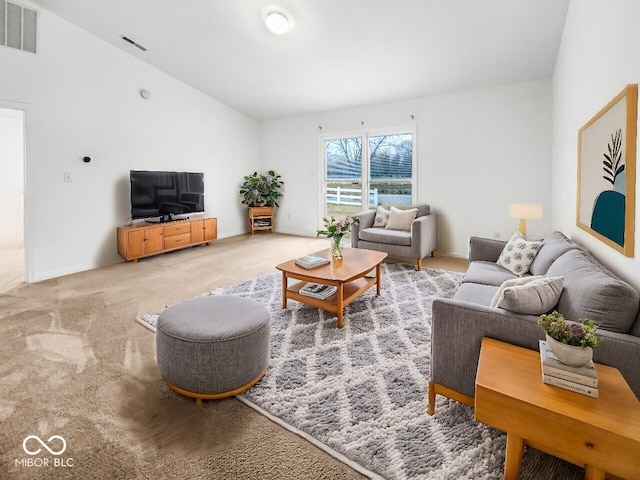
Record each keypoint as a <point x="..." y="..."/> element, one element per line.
<point x="379" y="168"/>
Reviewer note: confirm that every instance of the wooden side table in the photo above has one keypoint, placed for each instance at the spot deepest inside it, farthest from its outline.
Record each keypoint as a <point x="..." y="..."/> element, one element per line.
<point x="260" y="218"/>
<point x="602" y="435"/>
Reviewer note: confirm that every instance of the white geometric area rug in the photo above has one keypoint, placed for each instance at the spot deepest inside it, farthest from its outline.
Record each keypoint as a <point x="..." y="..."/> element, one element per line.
<point x="360" y="392"/>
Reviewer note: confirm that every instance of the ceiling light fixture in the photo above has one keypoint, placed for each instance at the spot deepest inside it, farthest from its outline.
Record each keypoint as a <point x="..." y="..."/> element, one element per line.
<point x="277" y="20"/>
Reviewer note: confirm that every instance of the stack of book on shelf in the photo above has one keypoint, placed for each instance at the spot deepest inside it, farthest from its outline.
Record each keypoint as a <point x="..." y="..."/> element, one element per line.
<point x="582" y="380"/>
<point x="318" y="290"/>
<point x="311" y="261"/>
<point x="262" y="222"/>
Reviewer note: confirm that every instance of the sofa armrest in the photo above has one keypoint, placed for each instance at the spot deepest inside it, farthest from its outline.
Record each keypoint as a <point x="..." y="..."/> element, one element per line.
<point x="423" y="235"/>
<point x="456" y="335"/>
<point x="485" y="249"/>
<point x="365" y="220"/>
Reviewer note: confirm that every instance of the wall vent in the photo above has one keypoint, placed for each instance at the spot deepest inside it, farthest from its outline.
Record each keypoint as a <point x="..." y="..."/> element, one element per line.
<point x="18" y="27"/>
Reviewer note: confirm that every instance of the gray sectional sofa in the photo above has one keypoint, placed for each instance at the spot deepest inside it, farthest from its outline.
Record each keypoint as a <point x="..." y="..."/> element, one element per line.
<point x="589" y="291"/>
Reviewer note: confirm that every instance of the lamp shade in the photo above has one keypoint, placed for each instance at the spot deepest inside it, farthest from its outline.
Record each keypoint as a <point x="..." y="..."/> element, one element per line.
<point x="525" y="210"/>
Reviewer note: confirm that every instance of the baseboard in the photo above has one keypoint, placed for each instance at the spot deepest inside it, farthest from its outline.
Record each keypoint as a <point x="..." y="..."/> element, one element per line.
<point x="40" y="276"/>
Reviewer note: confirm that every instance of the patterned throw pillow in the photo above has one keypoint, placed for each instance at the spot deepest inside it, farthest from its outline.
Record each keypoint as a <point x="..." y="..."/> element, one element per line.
<point x="518" y="254"/>
<point x="382" y="217"/>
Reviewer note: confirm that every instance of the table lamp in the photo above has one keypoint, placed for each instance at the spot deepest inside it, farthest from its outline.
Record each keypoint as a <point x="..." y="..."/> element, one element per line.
<point x="524" y="211"/>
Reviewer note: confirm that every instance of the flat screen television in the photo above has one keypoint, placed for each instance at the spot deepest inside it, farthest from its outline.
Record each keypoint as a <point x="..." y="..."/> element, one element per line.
<point x="164" y="194"/>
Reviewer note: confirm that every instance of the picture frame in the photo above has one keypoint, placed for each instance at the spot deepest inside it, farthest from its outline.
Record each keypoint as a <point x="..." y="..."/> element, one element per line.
<point x="607" y="172"/>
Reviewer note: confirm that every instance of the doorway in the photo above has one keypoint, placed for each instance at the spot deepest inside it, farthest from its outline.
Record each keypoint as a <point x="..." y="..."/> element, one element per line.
<point x="12" y="250"/>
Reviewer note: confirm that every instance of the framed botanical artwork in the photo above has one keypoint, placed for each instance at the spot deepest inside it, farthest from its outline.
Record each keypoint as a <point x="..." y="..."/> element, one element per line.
<point x="607" y="172"/>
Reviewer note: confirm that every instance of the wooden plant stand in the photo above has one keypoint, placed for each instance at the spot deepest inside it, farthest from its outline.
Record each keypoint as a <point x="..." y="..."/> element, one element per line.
<point x="260" y="218"/>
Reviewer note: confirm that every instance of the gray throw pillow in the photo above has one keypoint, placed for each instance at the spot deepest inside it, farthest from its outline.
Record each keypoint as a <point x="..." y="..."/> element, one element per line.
<point x="529" y="295"/>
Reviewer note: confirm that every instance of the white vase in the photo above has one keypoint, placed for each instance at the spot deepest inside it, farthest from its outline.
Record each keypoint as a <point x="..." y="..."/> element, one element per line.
<point x="572" y="355"/>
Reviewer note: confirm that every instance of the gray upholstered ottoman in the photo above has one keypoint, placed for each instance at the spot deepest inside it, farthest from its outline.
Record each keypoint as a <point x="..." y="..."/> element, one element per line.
<point x="213" y="346"/>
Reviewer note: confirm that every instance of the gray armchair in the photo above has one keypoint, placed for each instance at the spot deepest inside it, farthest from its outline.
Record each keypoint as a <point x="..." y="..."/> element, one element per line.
<point x="416" y="243"/>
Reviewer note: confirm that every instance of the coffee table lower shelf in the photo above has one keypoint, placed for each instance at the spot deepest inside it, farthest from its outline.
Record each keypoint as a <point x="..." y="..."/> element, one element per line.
<point x="347" y="293"/>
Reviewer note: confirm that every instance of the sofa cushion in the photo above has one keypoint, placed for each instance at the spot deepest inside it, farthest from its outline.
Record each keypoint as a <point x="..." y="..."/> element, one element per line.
<point x="552" y="247"/>
<point x="591" y="291"/>
<point x="518" y="254"/>
<point x="401" y="219"/>
<point x="487" y="273"/>
<point x="529" y="295"/>
<point x="382" y="217"/>
<point x="475" y="293"/>
<point x="382" y="235"/>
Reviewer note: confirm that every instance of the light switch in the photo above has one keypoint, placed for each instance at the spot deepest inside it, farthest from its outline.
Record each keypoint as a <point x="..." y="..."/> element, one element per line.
<point x="67" y="176"/>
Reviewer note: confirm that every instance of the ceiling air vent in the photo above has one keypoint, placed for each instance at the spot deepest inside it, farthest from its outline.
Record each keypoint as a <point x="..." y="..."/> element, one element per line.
<point x="17" y="27"/>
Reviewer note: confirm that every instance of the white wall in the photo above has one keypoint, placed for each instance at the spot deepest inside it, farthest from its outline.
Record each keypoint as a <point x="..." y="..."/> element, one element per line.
<point x="81" y="96"/>
<point x="12" y="177"/>
<point x="478" y="151"/>
<point x="598" y="57"/>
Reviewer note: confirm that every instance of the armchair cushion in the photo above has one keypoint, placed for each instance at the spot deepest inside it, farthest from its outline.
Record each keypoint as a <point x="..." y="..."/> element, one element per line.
<point x="382" y="235"/>
<point x="401" y="219"/>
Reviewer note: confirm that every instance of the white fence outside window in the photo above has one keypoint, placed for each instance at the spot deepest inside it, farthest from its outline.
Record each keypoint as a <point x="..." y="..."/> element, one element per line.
<point x="350" y="196"/>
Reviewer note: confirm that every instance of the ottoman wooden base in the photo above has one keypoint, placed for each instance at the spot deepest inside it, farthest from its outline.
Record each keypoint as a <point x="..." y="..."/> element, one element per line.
<point x="215" y="396"/>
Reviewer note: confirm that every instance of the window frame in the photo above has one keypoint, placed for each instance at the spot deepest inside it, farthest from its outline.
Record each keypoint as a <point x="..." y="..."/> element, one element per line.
<point x="365" y="179"/>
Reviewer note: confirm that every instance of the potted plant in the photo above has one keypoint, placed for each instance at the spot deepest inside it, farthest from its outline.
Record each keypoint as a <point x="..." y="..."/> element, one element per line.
<point x="258" y="190"/>
<point x="571" y="342"/>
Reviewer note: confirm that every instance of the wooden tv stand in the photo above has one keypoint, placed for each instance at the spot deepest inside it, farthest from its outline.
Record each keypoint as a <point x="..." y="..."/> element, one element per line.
<point x="147" y="239"/>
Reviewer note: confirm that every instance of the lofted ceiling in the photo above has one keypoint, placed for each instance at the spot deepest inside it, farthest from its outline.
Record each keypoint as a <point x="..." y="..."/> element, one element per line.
<point x="340" y="54"/>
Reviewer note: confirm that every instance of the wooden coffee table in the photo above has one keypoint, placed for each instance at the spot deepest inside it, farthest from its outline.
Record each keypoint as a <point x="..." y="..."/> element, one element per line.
<point x="600" y="434"/>
<point x="348" y="274"/>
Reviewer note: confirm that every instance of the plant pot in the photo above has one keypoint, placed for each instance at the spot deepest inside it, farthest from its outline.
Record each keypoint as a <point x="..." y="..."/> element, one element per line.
<point x="572" y="355"/>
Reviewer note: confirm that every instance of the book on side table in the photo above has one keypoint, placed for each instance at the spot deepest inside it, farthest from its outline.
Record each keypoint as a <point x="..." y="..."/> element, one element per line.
<point x="582" y="380"/>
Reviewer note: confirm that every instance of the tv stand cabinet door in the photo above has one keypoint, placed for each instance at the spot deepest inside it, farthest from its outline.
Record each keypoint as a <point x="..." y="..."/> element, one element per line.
<point x="197" y="231"/>
<point x="210" y="229"/>
<point x="153" y="241"/>
<point x="144" y="241"/>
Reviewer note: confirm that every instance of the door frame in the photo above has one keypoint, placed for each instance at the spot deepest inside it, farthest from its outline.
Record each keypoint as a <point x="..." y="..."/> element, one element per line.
<point x="29" y="275"/>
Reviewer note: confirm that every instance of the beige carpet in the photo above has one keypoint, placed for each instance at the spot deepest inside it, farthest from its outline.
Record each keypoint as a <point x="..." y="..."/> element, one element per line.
<point x="74" y="363"/>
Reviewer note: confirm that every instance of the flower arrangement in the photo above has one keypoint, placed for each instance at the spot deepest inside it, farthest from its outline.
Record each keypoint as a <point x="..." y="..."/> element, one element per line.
<point x="336" y="228"/>
<point x="579" y="334"/>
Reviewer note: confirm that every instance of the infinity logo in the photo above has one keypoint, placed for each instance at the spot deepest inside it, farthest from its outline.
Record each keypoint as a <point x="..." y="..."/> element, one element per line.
<point x="52" y="452"/>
